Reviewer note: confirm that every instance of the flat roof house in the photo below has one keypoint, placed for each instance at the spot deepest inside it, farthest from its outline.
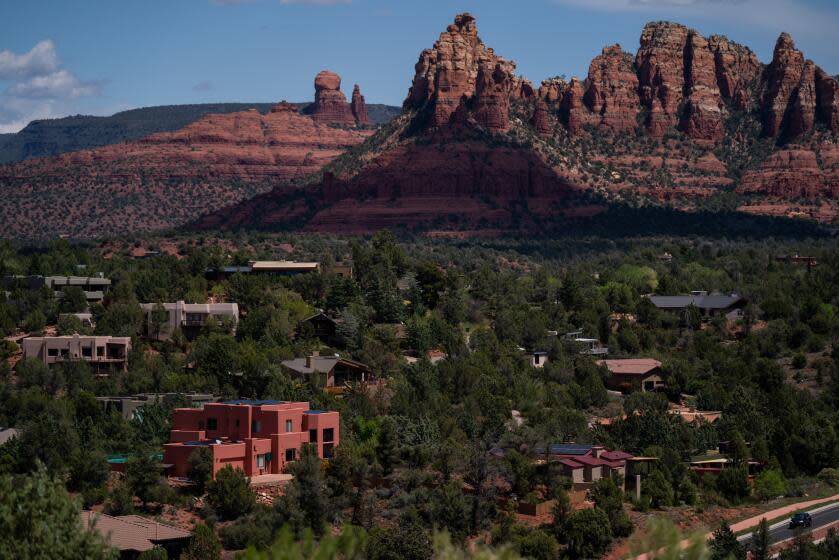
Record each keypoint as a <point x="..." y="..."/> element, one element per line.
<point x="94" y="287"/>
<point x="190" y="318"/>
<point x="708" y="304"/>
<point x="329" y="372"/>
<point x="283" y="268"/>
<point x="259" y="437"/>
<point x="633" y="374"/>
<point x="102" y="352"/>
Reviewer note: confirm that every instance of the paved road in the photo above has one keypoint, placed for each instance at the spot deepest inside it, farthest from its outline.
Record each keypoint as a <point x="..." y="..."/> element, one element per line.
<point x="780" y="531"/>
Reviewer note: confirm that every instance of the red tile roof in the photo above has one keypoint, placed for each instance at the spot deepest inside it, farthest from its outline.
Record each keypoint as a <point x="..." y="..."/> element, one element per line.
<point x="570" y="463"/>
<point x="615" y="455"/>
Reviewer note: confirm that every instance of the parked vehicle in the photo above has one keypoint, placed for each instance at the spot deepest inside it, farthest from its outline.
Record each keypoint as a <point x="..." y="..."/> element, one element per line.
<point x="801" y="520"/>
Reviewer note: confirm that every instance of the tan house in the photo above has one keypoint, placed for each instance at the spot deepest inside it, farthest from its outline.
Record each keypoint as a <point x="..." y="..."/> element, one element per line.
<point x="103" y="352"/>
<point x="633" y="374"/>
<point x="190" y="318"/>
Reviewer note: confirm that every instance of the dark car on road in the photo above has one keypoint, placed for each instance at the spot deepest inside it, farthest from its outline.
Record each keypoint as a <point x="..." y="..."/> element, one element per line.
<point x="800" y="520"/>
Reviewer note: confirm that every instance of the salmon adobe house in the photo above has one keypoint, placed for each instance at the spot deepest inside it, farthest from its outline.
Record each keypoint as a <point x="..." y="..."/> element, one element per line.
<point x="258" y="436"/>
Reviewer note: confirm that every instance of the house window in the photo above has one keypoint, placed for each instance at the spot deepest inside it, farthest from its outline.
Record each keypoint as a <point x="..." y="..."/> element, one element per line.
<point x="256" y="426"/>
<point x="289" y="426"/>
<point x="313" y="436"/>
<point x="52" y="352"/>
<point x="195" y="318"/>
<point x="100" y="351"/>
<point x="327" y="450"/>
<point x="260" y="461"/>
<point x="537" y="359"/>
<point x="290" y="454"/>
<point x="212" y="424"/>
<point x="87" y="351"/>
<point x="329" y="435"/>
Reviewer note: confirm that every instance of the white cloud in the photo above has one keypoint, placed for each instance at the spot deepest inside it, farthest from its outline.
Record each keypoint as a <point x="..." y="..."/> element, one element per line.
<point x="58" y="85"/>
<point x="40" y="88"/>
<point x="42" y="59"/>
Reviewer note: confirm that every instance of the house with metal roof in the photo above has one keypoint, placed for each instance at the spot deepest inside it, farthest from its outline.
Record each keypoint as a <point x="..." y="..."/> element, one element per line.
<point x="708" y="304"/>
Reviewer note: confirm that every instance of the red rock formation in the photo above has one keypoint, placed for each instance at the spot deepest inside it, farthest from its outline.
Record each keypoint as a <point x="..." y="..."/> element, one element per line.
<point x="737" y="70"/>
<point x="492" y="98"/>
<point x="613" y="89"/>
<point x="331" y="105"/>
<point x="461" y="66"/>
<point x="802" y="114"/>
<point x="795" y="172"/>
<point x="703" y="118"/>
<point x="540" y="119"/>
<point x="827" y="95"/>
<point x="784" y="75"/>
<point x="414" y="185"/>
<point x="573" y="110"/>
<point x="552" y="90"/>
<point x="167" y="179"/>
<point x="797" y="94"/>
<point x="523" y="89"/>
<point x="661" y="73"/>
<point x="359" y="107"/>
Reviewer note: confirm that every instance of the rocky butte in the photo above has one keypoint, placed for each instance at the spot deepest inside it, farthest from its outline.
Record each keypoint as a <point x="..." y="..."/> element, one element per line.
<point x="331" y="107"/>
<point x="678" y="121"/>
<point x="476" y="147"/>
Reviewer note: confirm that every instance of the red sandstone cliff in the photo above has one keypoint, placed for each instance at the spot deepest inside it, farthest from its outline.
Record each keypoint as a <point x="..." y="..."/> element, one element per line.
<point x="461" y="68"/>
<point x="167" y="179"/>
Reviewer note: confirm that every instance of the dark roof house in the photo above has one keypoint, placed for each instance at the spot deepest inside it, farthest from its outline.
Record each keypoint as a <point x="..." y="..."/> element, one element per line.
<point x="329" y="371"/>
<point x="132" y="534"/>
<point x="709" y="304"/>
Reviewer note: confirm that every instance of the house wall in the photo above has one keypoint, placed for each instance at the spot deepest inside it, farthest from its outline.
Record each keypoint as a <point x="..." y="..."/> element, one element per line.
<point x="91" y="349"/>
<point x="247" y="432"/>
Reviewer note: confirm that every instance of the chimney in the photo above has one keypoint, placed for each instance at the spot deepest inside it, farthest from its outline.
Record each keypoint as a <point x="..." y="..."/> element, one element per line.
<point x="310" y="358"/>
<point x="597" y="450"/>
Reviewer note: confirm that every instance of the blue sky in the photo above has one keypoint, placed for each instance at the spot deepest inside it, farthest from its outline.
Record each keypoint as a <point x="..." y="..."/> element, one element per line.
<point x="60" y="57"/>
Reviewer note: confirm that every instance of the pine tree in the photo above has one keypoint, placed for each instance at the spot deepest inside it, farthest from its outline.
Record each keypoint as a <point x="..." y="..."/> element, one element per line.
<point x="204" y="546"/>
<point x="725" y="545"/>
<point x="760" y="541"/>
